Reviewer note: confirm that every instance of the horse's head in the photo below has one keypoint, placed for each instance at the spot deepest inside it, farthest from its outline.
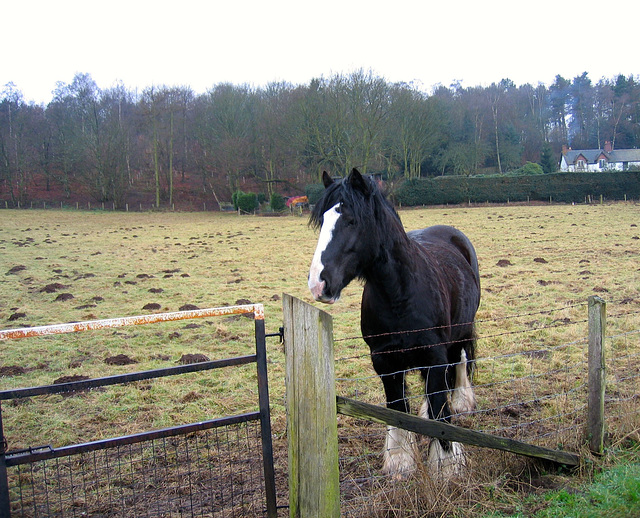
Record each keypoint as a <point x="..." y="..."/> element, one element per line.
<point x="345" y="215"/>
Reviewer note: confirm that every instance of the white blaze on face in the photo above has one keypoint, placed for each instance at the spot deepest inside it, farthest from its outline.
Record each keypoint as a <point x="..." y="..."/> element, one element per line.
<point x="330" y="218"/>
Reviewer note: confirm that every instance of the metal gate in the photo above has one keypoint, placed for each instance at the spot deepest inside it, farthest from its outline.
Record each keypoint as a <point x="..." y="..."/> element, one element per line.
<point x="177" y="471"/>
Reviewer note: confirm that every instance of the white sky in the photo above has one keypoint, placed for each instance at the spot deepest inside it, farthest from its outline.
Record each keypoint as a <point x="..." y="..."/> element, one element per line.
<point x="202" y="43"/>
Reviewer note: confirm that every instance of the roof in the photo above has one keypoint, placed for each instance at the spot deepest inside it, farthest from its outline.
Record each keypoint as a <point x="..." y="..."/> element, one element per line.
<point x="625" y="155"/>
<point x="592" y="155"/>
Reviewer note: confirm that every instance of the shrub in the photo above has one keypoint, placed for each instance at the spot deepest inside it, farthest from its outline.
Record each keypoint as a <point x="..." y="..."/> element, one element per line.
<point x="234" y="199"/>
<point x="530" y="168"/>
<point x="313" y="192"/>
<point x="245" y="202"/>
<point x="277" y="202"/>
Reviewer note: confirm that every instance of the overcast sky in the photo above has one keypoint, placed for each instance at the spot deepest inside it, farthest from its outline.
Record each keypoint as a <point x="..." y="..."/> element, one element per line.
<point x="202" y="43"/>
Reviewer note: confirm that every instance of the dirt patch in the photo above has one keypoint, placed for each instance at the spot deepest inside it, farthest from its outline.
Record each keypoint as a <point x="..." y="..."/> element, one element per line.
<point x="53" y="287"/>
<point x="190" y="397"/>
<point x="504" y="262"/>
<point x="16" y="269"/>
<point x="186" y="359"/>
<point x="540" y="260"/>
<point x="152" y="306"/>
<point x="539" y="354"/>
<point x="16" y="316"/>
<point x="63" y="297"/>
<point x="188" y="307"/>
<point x="12" y="370"/>
<point x="120" y="359"/>
<point x="193" y="326"/>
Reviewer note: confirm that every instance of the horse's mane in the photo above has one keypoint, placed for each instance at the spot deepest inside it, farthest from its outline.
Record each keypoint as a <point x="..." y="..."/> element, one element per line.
<point x="366" y="207"/>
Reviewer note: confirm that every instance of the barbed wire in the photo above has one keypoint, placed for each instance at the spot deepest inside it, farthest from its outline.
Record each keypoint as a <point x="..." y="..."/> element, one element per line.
<point x="450" y="326"/>
<point x="552" y="325"/>
<point x="428" y="346"/>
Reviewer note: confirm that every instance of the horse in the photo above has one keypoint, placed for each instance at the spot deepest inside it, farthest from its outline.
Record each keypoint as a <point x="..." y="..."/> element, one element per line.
<point x="420" y="297"/>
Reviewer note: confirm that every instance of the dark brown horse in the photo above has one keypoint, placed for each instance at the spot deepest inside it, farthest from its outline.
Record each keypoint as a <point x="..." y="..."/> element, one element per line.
<point x="421" y="294"/>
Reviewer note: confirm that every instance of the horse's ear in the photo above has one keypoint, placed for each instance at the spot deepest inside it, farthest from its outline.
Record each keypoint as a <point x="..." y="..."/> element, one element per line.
<point x="326" y="179"/>
<point x="358" y="182"/>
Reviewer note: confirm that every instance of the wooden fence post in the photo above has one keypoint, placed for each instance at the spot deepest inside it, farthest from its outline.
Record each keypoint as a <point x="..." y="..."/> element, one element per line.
<point x="595" y="417"/>
<point x="312" y="429"/>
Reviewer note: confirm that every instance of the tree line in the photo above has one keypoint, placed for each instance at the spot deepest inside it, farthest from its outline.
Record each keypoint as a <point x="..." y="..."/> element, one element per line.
<point x="108" y="142"/>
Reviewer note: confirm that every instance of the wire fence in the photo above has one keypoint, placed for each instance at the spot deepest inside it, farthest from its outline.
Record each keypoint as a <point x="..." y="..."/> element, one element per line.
<point x="535" y="392"/>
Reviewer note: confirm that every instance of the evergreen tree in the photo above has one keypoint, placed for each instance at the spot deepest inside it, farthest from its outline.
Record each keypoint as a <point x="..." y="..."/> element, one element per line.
<point x="547" y="161"/>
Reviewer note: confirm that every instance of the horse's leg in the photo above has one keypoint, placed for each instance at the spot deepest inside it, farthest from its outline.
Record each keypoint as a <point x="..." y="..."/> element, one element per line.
<point x="445" y="457"/>
<point x="463" y="398"/>
<point x="400" y="445"/>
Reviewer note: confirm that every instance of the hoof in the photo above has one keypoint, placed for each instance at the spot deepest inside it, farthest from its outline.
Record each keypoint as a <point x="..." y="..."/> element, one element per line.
<point x="446" y="464"/>
<point x="400" y="453"/>
<point x="463" y="400"/>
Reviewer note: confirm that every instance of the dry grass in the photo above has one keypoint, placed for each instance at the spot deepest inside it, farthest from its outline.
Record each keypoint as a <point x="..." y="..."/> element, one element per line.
<point x="532" y="259"/>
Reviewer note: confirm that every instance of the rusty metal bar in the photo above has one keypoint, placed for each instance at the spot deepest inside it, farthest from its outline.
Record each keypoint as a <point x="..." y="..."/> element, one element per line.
<point x="74" y="327"/>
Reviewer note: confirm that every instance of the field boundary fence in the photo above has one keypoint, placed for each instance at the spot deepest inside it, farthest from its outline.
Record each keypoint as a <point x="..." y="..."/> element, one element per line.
<point x="218" y="467"/>
<point x="545" y="397"/>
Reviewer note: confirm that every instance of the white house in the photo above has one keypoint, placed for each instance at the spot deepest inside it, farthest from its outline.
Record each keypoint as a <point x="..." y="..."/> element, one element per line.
<point x="598" y="160"/>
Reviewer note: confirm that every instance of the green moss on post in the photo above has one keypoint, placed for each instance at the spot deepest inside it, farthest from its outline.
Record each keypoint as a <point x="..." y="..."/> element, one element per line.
<point x="312" y="429"/>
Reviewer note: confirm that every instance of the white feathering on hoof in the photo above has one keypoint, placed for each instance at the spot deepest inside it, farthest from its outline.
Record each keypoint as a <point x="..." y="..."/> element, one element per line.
<point x="463" y="398"/>
<point x="446" y="464"/>
<point x="424" y="409"/>
<point x="400" y="453"/>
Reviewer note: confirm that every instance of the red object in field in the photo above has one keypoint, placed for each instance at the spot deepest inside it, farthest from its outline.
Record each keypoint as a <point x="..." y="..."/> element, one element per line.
<point x="296" y="200"/>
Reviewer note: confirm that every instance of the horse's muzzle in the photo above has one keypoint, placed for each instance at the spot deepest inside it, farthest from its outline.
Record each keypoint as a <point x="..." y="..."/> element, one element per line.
<point x="317" y="290"/>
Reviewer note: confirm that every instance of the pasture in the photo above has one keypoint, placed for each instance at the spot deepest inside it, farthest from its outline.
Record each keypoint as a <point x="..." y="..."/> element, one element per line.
<point x="62" y="266"/>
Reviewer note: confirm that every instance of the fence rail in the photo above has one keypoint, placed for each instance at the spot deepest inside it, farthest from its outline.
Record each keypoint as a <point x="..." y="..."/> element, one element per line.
<point x="182" y="462"/>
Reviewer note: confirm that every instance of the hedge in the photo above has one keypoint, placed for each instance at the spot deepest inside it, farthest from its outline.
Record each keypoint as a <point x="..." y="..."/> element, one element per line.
<point x="560" y="187"/>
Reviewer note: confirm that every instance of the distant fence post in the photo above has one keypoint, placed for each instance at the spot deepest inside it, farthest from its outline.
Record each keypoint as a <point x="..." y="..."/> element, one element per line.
<point x="595" y="417"/>
<point x="314" y="480"/>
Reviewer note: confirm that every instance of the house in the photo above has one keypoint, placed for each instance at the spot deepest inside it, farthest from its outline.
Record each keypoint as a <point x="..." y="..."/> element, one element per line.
<point x="599" y="160"/>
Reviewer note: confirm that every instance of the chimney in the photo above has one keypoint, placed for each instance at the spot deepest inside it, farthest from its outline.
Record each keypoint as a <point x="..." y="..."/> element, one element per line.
<point x="564" y="149"/>
<point x="607" y="146"/>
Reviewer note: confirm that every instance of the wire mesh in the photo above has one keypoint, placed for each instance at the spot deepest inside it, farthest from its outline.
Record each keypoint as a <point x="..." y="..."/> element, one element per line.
<point x="208" y="473"/>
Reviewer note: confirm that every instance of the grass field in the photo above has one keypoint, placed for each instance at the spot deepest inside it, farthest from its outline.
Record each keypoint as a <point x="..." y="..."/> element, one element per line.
<point x="62" y="266"/>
